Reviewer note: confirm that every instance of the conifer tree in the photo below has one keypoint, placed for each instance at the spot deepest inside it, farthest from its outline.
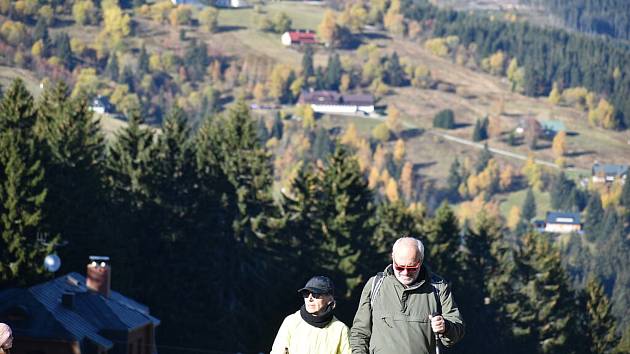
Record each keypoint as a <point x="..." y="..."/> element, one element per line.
<point x="174" y="181"/>
<point x="63" y="50"/>
<point x="307" y="63"/>
<point x="112" y="69"/>
<point x="528" y="211"/>
<point x="594" y="217"/>
<point x="484" y="157"/>
<point x="24" y="240"/>
<point x="443" y="242"/>
<point x="143" y="61"/>
<point x="395" y="75"/>
<point x="333" y="72"/>
<point x="394" y="220"/>
<point x="236" y="149"/>
<point x="73" y="160"/>
<point x="546" y="317"/>
<point x="487" y="287"/>
<point x="347" y="218"/>
<point x="454" y="179"/>
<point x="600" y="327"/>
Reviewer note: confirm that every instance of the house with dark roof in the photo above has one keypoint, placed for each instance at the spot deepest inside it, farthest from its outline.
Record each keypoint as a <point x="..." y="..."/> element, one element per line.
<point x="76" y="314"/>
<point x="334" y="102"/>
<point x="298" y="38"/>
<point x="100" y="104"/>
<point x="608" y="173"/>
<point x="560" y="222"/>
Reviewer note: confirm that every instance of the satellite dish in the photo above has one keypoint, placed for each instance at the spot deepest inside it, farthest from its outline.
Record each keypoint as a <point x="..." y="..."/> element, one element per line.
<point x="52" y="262"/>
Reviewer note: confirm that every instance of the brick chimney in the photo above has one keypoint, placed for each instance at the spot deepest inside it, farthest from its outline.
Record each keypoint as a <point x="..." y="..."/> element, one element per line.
<point x="99" y="275"/>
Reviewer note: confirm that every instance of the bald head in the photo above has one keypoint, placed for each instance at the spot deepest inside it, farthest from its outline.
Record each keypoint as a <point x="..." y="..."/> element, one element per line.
<point x="409" y="246"/>
<point x="407" y="257"/>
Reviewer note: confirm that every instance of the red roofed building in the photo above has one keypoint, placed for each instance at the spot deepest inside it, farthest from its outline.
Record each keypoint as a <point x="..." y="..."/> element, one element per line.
<point x="298" y="38"/>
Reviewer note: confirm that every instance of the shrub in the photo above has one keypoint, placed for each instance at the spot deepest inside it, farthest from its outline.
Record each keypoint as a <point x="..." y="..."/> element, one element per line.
<point x="444" y="119"/>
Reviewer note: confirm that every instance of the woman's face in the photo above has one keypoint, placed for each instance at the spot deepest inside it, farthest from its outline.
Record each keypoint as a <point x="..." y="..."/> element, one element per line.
<point x="316" y="303"/>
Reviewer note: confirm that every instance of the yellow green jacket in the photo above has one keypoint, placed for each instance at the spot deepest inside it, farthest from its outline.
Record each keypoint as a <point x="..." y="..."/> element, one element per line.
<point x="300" y="337"/>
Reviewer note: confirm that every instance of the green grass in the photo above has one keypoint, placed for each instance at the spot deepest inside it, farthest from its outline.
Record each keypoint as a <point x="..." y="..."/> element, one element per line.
<point x="543" y="202"/>
<point x="302" y="15"/>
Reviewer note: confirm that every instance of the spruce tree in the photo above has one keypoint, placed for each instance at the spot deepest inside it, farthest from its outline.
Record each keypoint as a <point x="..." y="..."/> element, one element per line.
<point x="395" y="74"/>
<point x="443" y="243"/>
<point x="333" y="72"/>
<point x="63" y="50"/>
<point x="476" y="136"/>
<point x="624" y="200"/>
<point x="547" y="313"/>
<point x="307" y="63"/>
<point x="25" y="241"/>
<point x="484" y="157"/>
<point x="73" y="159"/>
<point x="112" y="69"/>
<point x="454" y="179"/>
<point x="486" y="287"/>
<point x="346" y="221"/>
<point x="600" y="328"/>
<point x="394" y="220"/>
<point x="247" y="166"/>
<point x="528" y="210"/>
<point x="594" y="217"/>
<point x="143" y="61"/>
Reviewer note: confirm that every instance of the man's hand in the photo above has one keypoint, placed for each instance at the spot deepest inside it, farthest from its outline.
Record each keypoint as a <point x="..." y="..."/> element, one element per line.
<point x="438" y="325"/>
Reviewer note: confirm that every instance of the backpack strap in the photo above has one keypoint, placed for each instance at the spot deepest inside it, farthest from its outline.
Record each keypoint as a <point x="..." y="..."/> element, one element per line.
<point x="376" y="286"/>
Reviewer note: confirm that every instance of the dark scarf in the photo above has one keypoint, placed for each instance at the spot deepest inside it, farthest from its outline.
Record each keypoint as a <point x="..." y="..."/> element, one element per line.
<point x="320" y="321"/>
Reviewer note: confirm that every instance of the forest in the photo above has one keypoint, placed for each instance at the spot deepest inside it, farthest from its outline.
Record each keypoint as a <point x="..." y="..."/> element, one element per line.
<point x="609" y="17"/>
<point x="194" y="230"/>
<point x="547" y="55"/>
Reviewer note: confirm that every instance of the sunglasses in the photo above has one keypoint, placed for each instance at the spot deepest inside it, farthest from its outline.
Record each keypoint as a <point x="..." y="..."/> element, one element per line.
<point x="306" y="294"/>
<point x="409" y="268"/>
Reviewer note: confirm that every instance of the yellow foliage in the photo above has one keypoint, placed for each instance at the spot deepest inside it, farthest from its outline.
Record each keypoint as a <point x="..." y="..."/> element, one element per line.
<point x="437" y="46"/>
<point x="328" y="27"/>
<point x="470" y="209"/>
<point x="277" y="80"/>
<point x="308" y="117"/>
<point x="497" y="63"/>
<point x="84" y="12"/>
<point x="555" y="95"/>
<point x="612" y="195"/>
<point x="391" y="190"/>
<point x="406" y="180"/>
<point x="559" y="145"/>
<point x="414" y="29"/>
<point x="603" y="115"/>
<point x="507" y="177"/>
<point x="399" y="150"/>
<point x="155" y="62"/>
<point x="381" y="132"/>
<point x="181" y="15"/>
<point x="13" y="32"/>
<point x="364" y="155"/>
<point x="373" y="178"/>
<point x="513" y="217"/>
<point x="26" y="7"/>
<point x="160" y="11"/>
<point x="296" y="86"/>
<point x="575" y="96"/>
<point x="36" y="49"/>
<point x="344" y="85"/>
<point x="393" y="118"/>
<point x="209" y="18"/>
<point x="77" y="46"/>
<point x="385" y="177"/>
<point x="86" y="83"/>
<point x="380" y="157"/>
<point x="351" y="136"/>
<point x="259" y="92"/>
<point x="533" y="173"/>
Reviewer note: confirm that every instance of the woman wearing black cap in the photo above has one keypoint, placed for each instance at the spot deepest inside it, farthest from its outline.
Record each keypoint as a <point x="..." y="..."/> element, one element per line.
<point x="313" y="329"/>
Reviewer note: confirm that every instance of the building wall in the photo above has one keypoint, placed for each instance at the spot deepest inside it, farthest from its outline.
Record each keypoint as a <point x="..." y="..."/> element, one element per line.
<point x="286" y="39"/>
<point x="23" y="345"/>
<point x="320" y="108"/>
<point x="562" y="228"/>
<point x="141" y="340"/>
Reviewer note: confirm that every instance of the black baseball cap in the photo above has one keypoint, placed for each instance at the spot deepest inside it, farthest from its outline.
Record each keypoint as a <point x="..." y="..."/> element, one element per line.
<point x="319" y="284"/>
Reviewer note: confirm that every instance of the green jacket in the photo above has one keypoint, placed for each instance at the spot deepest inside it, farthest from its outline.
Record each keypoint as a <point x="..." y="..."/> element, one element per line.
<point x="399" y="320"/>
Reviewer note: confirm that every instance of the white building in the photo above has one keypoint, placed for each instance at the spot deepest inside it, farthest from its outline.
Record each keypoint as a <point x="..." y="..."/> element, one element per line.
<point x="334" y="102"/>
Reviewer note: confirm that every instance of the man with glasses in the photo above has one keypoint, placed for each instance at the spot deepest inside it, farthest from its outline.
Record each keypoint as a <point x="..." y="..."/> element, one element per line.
<point x="406" y="309"/>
